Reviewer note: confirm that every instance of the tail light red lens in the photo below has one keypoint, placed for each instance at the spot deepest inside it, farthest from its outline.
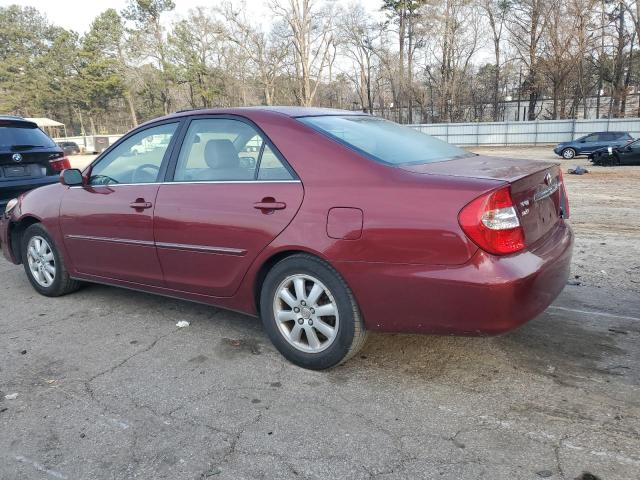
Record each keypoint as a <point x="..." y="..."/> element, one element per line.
<point x="492" y="222"/>
<point x="60" y="164"/>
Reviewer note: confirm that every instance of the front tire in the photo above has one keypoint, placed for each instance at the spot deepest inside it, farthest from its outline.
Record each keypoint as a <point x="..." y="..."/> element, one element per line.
<point x="310" y="313"/>
<point x="43" y="263"/>
<point x="568" y="153"/>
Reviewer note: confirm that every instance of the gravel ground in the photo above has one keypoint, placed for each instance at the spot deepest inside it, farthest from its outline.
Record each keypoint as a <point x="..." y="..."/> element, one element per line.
<point x="108" y="387"/>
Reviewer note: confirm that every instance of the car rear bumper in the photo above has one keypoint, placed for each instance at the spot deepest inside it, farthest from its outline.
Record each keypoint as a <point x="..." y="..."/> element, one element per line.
<point x="487" y="296"/>
<point x="13" y="188"/>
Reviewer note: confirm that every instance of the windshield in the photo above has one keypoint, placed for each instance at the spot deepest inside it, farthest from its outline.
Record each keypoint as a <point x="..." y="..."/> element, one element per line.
<point x="17" y="136"/>
<point x="385" y="141"/>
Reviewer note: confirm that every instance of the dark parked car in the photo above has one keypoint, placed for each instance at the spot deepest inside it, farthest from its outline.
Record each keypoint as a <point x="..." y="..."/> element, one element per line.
<point x="28" y="158"/>
<point x="628" y="154"/>
<point x="69" y="148"/>
<point x="343" y="223"/>
<point x="592" y="142"/>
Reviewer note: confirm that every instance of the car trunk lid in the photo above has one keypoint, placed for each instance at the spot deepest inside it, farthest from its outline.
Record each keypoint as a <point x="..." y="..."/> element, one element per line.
<point x="536" y="187"/>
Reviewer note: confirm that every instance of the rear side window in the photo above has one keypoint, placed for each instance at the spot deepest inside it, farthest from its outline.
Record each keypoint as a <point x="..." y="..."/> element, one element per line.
<point x="385" y="141"/>
<point x="23" y="136"/>
<point x="223" y="149"/>
<point x="271" y="168"/>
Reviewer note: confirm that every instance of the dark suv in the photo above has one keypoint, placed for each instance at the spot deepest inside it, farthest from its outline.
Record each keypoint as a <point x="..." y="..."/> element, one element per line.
<point x="28" y="158"/>
<point x="69" y="148"/>
<point x="592" y="142"/>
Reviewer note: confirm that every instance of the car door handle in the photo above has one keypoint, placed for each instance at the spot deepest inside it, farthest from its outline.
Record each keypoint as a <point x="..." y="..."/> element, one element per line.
<point x="269" y="204"/>
<point x="140" y="204"/>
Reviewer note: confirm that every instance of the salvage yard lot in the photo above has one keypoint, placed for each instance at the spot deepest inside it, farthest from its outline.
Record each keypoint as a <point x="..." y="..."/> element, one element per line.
<point x="109" y="387"/>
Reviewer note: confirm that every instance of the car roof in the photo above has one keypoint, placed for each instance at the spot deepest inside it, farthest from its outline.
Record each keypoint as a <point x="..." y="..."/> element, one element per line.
<point x="289" y="111"/>
<point x="15" y="118"/>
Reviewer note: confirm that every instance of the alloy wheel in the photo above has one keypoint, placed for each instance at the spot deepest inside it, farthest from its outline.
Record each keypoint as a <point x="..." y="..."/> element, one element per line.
<point x="306" y="313"/>
<point x="42" y="262"/>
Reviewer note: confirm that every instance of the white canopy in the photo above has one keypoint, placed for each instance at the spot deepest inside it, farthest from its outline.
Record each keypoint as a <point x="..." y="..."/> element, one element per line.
<point x="45" y="122"/>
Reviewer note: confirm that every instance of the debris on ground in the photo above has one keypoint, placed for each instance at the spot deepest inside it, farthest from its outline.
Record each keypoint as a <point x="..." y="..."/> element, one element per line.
<point x="212" y="472"/>
<point x="588" y="476"/>
<point x="182" y="324"/>
<point x="544" y="473"/>
<point x="575" y="283"/>
<point x="11" y="396"/>
<point x="578" y="170"/>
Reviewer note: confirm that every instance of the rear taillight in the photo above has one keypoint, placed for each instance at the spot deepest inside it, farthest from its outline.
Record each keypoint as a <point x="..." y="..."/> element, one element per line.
<point x="492" y="222"/>
<point x="564" y="200"/>
<point x="60" y="164"/>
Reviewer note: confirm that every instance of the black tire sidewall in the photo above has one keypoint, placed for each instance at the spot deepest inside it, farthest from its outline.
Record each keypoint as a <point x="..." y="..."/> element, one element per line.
<point x="341" y="346"/>
<point x="54" y="288"/>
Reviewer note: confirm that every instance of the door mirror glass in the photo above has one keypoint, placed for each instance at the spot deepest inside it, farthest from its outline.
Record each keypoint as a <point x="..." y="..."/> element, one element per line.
<point x="71" y="177"/>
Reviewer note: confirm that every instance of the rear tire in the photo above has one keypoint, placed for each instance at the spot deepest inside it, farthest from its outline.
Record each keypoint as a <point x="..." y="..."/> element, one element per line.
<point x="310" y="314"/>
<point x="568" y="153"/>
<point x="44" y="264"/>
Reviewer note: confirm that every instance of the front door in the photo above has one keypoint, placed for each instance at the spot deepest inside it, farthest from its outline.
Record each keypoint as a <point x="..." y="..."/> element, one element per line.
<point x="108" y="224"/>
<point x="232" y="193"/>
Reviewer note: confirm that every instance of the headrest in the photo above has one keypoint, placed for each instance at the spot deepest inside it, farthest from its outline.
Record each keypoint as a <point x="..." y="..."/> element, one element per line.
<point x="221" y="154"/>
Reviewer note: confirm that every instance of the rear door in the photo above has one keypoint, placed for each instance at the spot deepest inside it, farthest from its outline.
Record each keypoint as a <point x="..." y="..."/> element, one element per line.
<point x="231" y="193"/>
<point x="594" y="142"/>
<point x="108" y="224"/>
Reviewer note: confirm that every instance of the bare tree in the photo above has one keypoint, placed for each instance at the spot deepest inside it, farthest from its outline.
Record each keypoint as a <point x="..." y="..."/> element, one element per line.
<point x="527" y="25"/>
<point x="311" y="34"/>
<point x="496" y="14"/>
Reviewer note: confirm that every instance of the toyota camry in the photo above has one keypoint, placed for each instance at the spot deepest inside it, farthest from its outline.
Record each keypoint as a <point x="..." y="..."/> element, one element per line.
<point x="325" y="223"/>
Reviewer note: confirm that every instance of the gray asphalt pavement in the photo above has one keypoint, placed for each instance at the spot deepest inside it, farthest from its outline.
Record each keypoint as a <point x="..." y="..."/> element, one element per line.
<point x="108" y="387"/>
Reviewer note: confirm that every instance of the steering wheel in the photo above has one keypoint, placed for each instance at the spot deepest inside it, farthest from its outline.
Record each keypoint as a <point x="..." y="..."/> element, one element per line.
<point x="141" y="168"/>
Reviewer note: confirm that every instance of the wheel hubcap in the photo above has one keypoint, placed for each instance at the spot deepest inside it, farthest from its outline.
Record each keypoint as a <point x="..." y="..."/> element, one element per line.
<point x="42" y="263"/>
<point x="306" y="313"/>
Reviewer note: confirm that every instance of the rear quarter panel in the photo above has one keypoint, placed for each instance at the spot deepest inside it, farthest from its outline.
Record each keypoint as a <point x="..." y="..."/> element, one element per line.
<point x="407" y="218"/>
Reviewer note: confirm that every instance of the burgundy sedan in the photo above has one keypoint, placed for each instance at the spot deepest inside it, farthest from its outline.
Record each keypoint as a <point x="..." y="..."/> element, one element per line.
<point x="325" y="223"/>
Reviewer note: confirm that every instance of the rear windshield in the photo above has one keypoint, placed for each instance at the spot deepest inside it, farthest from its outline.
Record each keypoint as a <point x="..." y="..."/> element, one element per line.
<point x="385" y="141"/>
<point x="16" y="137"/>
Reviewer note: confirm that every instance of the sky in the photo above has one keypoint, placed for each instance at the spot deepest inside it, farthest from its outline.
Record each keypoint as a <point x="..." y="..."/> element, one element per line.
<point x="77" y="15"/>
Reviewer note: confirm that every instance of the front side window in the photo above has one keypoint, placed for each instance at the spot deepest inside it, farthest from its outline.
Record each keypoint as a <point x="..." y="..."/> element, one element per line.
<point x="136" y="160"/>
<point x="222" y="149"/>
<point x="384" y="141"/>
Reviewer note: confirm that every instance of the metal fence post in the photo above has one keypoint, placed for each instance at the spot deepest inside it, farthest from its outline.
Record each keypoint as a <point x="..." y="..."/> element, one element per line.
<point x="535" y="135"/>
<point x="573" y="128"/>
<point x="506" y="133"/>
<point x="446" y="132"/>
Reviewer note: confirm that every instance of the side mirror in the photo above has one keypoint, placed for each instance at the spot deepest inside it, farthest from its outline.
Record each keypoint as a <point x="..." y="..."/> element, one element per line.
<point x="583" y="141"/>
<point x="71" y="177"/>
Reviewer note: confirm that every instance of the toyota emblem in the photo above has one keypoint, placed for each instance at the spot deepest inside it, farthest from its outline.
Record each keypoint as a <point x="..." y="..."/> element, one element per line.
<point x="16" y="157"/>
<point x="547" y="178"/>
